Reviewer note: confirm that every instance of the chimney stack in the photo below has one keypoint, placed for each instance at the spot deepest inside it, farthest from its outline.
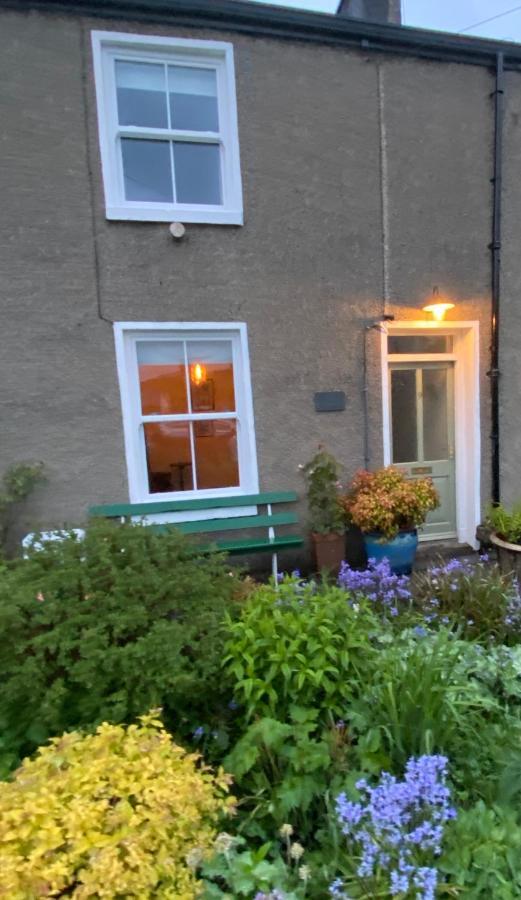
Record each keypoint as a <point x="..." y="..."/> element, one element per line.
<point x="381" y="11"/>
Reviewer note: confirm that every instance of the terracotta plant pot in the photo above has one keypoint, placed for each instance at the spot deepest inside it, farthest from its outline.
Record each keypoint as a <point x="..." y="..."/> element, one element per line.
<point x="508" y="556"/>
<point x="329" y="551"/>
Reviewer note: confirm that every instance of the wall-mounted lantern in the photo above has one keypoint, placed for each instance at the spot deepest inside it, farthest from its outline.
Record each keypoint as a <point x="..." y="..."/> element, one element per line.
<point x="437" y="308"/>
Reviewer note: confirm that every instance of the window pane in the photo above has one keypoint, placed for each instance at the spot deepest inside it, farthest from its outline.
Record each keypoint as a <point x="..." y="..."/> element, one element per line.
<point x="147" y="170"/>
<point x="435" y="414"/>
<point x="141" y="92"/>
<point x="421" y="343"/>
<point x="193" y="98"/>
<point x="216" y="453"/>
<point x="162" y="380"/>
<point x="403" y="404"/>
<point x="169" y="462"/>
<point x="211" y="376"/>
<point x="197" y="173"/>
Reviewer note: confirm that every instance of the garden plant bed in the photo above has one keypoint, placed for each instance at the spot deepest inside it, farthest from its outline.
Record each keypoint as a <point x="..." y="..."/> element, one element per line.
<point x="364" y="734"/>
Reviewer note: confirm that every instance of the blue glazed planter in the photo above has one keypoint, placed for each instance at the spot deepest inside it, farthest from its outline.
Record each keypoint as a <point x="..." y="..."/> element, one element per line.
<point x="400" y="551"/>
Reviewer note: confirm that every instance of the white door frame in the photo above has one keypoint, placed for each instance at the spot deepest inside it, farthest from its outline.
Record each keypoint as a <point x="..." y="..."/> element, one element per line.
<point x="465" y="355"/>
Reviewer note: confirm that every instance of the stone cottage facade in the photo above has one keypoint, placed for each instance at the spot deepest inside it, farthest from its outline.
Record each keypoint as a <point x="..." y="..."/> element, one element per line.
<point x="219" y="218"/>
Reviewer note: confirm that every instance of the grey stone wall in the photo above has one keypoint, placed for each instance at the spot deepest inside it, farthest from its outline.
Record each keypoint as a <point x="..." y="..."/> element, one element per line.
<point x="510" y="314"/>
<point x="329" y="140"/>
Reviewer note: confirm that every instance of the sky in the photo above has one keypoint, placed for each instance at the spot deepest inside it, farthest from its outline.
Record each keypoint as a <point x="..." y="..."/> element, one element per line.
<point x="467" y="16"/>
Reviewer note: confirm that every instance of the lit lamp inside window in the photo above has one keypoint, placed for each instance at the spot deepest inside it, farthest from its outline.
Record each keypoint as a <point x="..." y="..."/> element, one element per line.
<point x="197" y="374"/>
<point x="438" y="308"/>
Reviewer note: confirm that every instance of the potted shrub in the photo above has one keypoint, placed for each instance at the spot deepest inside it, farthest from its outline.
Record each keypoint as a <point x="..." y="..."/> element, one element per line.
<point x="326" y="516"/>
<point x="388" y="507"/>
<point x="505" y="535"/>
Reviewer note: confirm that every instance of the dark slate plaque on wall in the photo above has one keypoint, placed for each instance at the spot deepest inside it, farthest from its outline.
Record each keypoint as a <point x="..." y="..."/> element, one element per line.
<point x="330" y="401"/>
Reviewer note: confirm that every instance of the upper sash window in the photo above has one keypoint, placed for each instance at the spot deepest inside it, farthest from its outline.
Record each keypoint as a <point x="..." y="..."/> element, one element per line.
<point x="168" y="128"/>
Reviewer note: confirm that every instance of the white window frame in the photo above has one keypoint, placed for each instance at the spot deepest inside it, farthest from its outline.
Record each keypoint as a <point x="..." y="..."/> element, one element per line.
<point x="126" y="334"/>
<point x="110" y="45"/>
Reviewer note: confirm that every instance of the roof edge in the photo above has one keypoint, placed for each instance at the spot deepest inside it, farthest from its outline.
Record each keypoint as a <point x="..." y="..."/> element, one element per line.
<point x="288" y="23"/>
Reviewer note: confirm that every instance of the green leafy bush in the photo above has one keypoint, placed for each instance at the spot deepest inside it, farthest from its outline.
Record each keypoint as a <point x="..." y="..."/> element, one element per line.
<point x="506" y="523"/>
<point x="483" y="853"/>
<point x="284" y="771"/>
<point x="299" y="644"/>
<point x="105" y="628"/>
<point x="322" y="475"/>
<point x="476" y="597"/>
<point x="116" y="814"/>
<point x="420" y="700"/>
<point x="17" y="483"/>
<point x="237" y="870"/>
<point x="298" y="656"/>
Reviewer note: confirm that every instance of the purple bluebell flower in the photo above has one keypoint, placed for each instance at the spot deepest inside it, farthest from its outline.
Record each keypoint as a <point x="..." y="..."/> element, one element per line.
<point x="348" y="813"/>
<point x="378" y="584"/>
<point x="198" y="732"/>
<point x="397" y="826"/>
<point x="426" y="879"/>
<point x="337" y="890"/>
<point x="399" y="883"/>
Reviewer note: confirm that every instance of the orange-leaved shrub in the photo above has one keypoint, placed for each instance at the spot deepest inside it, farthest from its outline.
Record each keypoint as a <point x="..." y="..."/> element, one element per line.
<point x="387" y="502"/>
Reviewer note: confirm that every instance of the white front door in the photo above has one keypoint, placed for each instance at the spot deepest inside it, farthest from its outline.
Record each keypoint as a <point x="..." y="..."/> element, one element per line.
<point x="422" y="434"/>
<point x="431" y="417"/>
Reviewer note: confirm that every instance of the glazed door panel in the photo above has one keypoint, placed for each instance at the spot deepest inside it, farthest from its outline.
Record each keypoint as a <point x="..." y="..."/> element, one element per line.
<point x="422" y="434"/>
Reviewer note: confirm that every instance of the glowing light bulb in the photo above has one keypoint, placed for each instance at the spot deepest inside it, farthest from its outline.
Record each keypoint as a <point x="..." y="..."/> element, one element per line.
<point x="438" y="310"/>
<point x="198" y="374"/>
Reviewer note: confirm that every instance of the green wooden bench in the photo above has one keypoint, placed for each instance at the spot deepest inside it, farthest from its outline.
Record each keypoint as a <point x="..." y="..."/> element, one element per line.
<point x="269" y="520"/>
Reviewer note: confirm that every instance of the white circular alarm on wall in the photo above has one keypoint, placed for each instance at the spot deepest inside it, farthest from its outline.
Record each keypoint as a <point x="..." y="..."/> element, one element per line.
<point x="177" y="230"/>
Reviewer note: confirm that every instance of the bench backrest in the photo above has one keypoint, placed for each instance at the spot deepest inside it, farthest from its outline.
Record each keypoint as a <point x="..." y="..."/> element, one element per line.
<point x="232" y="523"/>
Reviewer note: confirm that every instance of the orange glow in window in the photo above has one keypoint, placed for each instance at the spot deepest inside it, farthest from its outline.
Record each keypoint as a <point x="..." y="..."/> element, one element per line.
<point x="198" y="374"/>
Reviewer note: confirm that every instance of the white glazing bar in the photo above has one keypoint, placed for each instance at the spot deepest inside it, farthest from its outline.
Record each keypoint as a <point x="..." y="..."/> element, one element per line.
<point x="188" y="417"/>
<point x="169" y="134"/>
<point x="190" y="426"/>
<point x="419" y="414"/>
<point x="170" y="143"/>
<point x="172" y="171"/>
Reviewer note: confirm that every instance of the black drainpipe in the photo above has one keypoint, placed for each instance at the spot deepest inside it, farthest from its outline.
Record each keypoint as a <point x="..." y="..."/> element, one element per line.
<point x="495" y="248"/>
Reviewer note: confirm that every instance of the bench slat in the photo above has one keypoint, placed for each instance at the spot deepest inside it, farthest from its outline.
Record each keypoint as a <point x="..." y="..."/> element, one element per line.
<point x="117" y="510"/>
<point x="253" y="545"/>
<point x="236" y="523"/>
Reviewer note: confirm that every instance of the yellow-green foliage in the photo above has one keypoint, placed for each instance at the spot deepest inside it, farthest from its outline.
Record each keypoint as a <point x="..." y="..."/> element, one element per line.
<point x="120" y="813"/>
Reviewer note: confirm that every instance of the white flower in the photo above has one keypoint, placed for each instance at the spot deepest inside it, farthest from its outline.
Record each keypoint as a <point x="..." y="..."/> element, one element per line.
<point x="296" y="851"/>
<point x="286" y="830"/>
<point x="194" y="858"/>
<point x="224" y="842"/>
<point x="304" y="872"/>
